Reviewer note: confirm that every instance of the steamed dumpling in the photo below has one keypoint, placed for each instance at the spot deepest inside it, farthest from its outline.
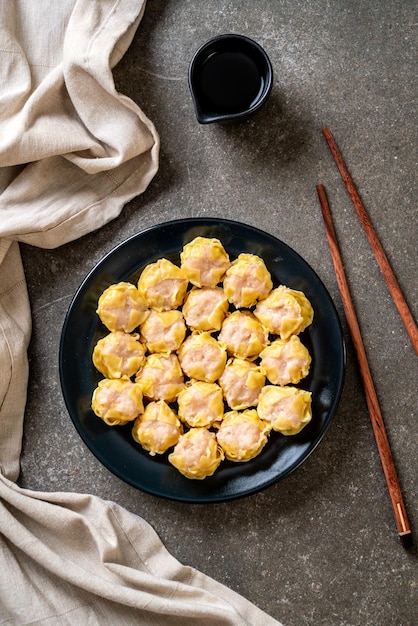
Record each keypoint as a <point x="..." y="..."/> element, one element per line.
<point x="242" y="435"/>
<point x="163" y="331"/>
<point x="243" y="335"/>
<point x="163" y="284"/>
<point x="241" y="383"/>
<point x="202" y="357"/>
<point x="119" y="355"/>
<point x="122" y="307"/>
<point x="204" y="261"/>
<point x="197" y="454"/>
<point x="117" y="401"/>
<point x="287" y="409"/>
<point x="285" y="361"/>
<point x="161" y="378"/>
<point x="158" y="428"/>
<point x="247" y="280"/>
<point x="284" y="312"/>
<point x="205" y="308"/>
<point x="200" y="404"/>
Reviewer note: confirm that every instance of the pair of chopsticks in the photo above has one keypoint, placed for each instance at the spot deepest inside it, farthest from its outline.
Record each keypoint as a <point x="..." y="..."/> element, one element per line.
<point x="404" y="530"/>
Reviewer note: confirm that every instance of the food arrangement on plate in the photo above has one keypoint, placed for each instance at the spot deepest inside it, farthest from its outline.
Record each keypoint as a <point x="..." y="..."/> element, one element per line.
<point x="203" y="358"/>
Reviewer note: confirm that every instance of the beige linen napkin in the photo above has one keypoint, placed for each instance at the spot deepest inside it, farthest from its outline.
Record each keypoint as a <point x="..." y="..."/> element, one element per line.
<point x="73" y="151"/>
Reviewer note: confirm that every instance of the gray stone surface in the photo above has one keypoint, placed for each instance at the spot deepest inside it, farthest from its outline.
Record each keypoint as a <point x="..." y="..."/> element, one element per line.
<point x="321" y="546"/>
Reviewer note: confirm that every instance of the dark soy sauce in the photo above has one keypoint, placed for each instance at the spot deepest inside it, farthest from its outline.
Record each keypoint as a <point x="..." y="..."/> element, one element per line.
<point x="229" y="82"/>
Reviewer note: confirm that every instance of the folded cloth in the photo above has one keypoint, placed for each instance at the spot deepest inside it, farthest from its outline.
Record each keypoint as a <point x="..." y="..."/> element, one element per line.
<point x="77" y="559"/>
<point x="73" y="151"/>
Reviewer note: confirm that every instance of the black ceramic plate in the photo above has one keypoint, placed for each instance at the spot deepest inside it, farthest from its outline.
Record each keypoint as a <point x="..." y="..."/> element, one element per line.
<point x="115" y="447"/>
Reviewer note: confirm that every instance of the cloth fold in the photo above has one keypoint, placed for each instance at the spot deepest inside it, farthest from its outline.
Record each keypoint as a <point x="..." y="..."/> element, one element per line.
<point x="85" y="148"/>
<point x="73" y="151"/>
<point x="89" y="548"/>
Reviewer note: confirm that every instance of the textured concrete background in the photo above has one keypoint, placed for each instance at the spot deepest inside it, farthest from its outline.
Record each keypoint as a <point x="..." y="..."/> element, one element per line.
<point x="321" y="546"/>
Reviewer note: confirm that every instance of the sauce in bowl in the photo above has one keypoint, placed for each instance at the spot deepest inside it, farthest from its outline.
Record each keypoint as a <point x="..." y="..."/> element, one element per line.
<point x="230" y="78"/>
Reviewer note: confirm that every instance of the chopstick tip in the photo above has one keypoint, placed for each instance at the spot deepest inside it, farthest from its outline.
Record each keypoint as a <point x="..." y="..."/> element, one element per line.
<point x="406" y="539"/>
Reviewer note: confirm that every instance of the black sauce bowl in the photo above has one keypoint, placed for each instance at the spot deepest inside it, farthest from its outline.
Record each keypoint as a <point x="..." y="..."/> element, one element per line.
<point x="230" y="78"/>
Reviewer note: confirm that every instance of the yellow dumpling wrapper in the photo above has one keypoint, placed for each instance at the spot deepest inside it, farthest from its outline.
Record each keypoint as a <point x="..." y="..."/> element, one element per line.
<point x="161" y="378"/>
<point x="305" y="307"/>
<point x="241" y="383"/>
<point x="284" y="312"/>
<point x="242" y="435"/>
<point x="117" y="401"/>
<point x="202" y="357"/>
<point x="163" y="331"/>
<point x="285" y="361"/>
<point x="197" y="454"/>
<point x="205" y="308"/>
<point x="163" y="284"/>
<point x="247" y="280"/>
<point x="287" y="409"/>
<point x="158" y="428"/>
<point x="200" y="404"/>
<point x="243" y="335"/>
<point x="204" y="261"/>
<point x="119" y="354"/>
<point x="122" y="307"/>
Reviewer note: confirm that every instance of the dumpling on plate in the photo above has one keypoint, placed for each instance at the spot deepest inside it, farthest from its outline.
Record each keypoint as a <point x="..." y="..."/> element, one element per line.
<point x="161" y="378"/>
<point x="243" y="335"/>
<point x="247" y="280"/>
<point x="202" y="357"/>
<point x="163" y="284"/>
<point x="117" y="401"/>
<point x="163" y="331"/>
<point x="242" y="435"/>
<point x="200" y="404"/>
<point x="158" y="428"/>
<point x="241" y="383"/>
<point x="197" y="454"/>
<point x="285" y="312"/>
<point x="204" y="261"/>
<point x="205" y="308"/>
<point x="285" y="361"/>
<point x="119" y="354"/>
<point x="287" y="409"/>
<point x="122" y="307"/>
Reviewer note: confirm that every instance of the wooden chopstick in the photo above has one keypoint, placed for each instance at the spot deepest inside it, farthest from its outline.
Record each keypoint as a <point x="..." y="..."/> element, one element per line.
<point x="377" y="248"/>
<point x="385" y="454"/>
